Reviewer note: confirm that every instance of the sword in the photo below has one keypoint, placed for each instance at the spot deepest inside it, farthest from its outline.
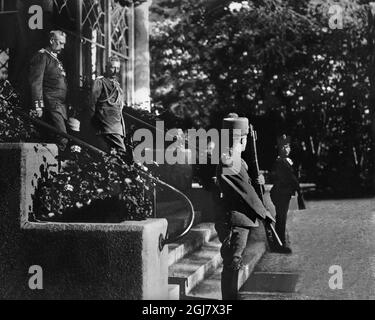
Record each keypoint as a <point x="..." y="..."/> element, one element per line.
<point x="275" y="234"/>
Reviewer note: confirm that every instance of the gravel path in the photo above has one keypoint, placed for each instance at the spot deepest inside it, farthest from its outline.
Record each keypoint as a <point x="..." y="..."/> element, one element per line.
<point x="334" y="232"/>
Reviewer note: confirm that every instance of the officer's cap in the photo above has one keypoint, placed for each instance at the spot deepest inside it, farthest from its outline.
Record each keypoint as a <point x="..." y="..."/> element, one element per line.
<point x="237" y="123"/>
<point x="283" y="140"/>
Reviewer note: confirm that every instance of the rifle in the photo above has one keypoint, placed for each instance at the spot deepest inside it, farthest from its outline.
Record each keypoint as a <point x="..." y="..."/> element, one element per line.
<point x="269" y="228"/>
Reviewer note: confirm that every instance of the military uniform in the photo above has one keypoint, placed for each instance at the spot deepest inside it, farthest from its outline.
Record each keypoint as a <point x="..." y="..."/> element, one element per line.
<point x="241" y="210"/>
<point x="106" y="113"/>
<point x="285" y="184"/>
<point x="49" y="88"/>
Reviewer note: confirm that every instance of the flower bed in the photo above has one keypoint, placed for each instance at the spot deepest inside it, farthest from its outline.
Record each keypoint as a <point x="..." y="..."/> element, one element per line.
<point x="94" y="188"/>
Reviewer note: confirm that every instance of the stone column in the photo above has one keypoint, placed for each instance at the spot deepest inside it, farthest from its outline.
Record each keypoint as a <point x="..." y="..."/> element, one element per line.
<point x="142" y="55"/>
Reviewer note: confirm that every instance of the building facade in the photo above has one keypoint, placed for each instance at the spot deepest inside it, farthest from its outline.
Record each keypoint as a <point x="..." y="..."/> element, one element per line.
<point x="96" y="29"/>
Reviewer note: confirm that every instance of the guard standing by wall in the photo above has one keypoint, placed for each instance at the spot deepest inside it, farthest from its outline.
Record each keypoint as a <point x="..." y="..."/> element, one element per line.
<point x="241" y="204"/>
<point x="285" y="185"/>
<point x="106" y="108"/>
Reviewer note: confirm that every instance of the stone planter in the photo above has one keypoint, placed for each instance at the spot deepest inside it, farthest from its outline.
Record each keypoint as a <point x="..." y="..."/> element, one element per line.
<point x="78" y="260"/>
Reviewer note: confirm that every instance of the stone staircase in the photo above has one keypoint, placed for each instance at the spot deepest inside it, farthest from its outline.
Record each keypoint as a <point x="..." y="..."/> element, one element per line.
<point x="195" y="264"/>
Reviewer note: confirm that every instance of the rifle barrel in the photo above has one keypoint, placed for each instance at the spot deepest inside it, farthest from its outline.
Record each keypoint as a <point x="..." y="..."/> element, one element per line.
<point x="259" y="188"/>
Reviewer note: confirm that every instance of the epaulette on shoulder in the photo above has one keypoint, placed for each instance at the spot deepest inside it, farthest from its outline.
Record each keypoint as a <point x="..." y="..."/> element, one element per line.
<point x="42" y="50"/>
<point x="100" y="77"/>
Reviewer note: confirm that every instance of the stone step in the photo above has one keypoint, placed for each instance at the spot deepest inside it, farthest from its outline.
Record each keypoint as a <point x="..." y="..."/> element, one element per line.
<point x="194" y="267"/>
<point x="194" y="240"/>
<point x="206" y="227"/>
<point x="173" y="292"/>
<point x="210" y="288"/>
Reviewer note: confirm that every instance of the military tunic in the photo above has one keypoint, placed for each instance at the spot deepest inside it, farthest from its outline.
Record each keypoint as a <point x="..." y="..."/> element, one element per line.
<point x="285" y="184"/>
<point x="48" y="84"/>
<point x="241" y="210"/>
<point x="48" y="81"/>
<point x="106" y="113"/>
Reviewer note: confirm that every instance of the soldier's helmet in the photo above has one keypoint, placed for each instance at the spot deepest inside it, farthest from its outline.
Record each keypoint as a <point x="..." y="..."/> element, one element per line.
<point x="241" y="124"/>
<point x="283" y="140"/>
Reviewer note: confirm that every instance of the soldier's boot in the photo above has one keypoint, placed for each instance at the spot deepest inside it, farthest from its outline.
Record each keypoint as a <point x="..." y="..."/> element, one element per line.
<point x="229" y="284"/>
<point x="276" y="247"/>
<point x="282" y="249"/>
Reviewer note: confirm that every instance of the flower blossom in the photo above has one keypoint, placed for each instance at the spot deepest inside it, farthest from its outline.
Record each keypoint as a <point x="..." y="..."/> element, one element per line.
<point x="76" y="149"/>
<point x="69" y="187"/>
<point x="235" y="7"/>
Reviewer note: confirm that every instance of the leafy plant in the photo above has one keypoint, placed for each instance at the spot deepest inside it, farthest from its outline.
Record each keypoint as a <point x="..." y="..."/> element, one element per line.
<point x="95" y="188"/>
<point x="280" y="64"/>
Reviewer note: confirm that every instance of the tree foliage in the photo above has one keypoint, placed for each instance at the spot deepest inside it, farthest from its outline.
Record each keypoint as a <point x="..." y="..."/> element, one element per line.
<point x="279" y="61"/>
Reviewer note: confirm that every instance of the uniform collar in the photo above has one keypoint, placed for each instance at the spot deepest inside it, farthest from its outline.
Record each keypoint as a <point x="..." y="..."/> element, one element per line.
<point x="51" y="53"/>
<point x="290" y="161"/>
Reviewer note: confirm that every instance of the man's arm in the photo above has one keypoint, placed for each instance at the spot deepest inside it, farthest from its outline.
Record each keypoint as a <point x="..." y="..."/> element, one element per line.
<point x="95" y="94"/>
<point x="247" y="193"/>
<point x="37" y="69"/>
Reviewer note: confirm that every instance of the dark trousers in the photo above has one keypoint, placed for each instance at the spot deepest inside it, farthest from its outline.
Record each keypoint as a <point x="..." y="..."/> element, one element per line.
<point x="110" y="141"/>
<point x="56" y="120"/>
<point x="281" y="203"/>
<point x="234" y="240"/>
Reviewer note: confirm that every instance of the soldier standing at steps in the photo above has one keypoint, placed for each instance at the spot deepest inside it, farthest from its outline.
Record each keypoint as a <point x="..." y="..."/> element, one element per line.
<point x="241" y="205"/>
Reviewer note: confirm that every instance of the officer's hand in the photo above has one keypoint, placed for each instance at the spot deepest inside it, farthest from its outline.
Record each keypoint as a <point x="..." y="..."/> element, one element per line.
<point x="269" y="218"/>
<point x="36" y="113"/>
<point x="261" y="179"/>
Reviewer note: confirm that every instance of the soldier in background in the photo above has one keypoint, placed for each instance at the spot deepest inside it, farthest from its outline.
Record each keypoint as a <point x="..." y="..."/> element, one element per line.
<point x="242" y="206"/>
<point x="106" y="108"/>
<point x="49" y="88"/>
<point x="285" y="185"/>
